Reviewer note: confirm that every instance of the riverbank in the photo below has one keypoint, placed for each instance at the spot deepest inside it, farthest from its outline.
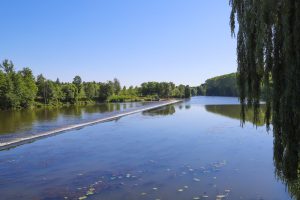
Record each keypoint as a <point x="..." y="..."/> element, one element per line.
<point x="12" y="142"/>
<point x="111" y="99"/>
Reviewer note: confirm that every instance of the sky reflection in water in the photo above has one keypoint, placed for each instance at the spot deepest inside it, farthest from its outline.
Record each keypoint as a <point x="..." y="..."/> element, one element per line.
<point x="185" y="151"/>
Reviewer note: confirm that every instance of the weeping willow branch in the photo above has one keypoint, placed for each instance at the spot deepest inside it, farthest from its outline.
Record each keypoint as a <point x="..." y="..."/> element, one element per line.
<point x="268" y="43"/>
<point x="268" y="56"/>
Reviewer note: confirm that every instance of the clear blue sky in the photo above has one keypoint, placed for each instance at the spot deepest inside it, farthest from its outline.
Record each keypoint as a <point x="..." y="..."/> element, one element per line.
<point x="184" y="41"/>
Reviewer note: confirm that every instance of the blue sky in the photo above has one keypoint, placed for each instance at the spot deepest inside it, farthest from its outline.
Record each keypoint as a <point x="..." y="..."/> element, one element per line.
<point x="184" y="41"/>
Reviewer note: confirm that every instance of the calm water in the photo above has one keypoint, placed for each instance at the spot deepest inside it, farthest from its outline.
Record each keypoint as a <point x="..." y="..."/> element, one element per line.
<point x="192" y="150"/>
<point x="41" y="119"/>
<point x="21" y="123"/>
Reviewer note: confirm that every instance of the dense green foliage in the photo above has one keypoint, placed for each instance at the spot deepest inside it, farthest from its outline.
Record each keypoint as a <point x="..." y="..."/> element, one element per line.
<point x="198" y="90"/>
<point x="268" y="47"/>
<point x="165" y="90"/>
<point x="21" y="90"/>
<point x="224" y="85"/>
<point x="17" y="89"/>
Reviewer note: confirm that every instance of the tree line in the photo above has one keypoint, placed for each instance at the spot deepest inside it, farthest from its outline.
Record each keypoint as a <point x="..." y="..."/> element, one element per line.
<point x="21" y="89"/>
<point x="225" y="85"/>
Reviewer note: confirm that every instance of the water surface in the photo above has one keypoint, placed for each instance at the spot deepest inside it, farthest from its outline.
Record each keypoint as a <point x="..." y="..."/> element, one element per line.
<point x="192" y="150"/>
<point x="16" y="124"/>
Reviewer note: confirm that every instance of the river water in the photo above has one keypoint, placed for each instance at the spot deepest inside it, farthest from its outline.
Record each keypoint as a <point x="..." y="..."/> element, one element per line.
<point x="191" y="150"/>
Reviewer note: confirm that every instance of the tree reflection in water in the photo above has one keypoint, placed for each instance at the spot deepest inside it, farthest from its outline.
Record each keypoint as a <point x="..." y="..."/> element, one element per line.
<point x="166" y="110"/>
<point x="286" y="148"/>
<point x="286" y="160"/>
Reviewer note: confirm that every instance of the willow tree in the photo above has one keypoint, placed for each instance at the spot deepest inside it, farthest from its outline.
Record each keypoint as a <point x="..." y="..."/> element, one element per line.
<point x="268" y="55"/>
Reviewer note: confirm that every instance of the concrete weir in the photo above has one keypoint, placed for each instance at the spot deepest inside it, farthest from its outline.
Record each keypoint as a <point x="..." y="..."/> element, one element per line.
<point x="23" y="140"/>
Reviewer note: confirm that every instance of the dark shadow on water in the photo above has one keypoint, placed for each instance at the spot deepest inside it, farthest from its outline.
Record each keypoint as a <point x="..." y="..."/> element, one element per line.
<point x="287" y="162"/>
<point x="233" y="111"/>
<point x="286" y="148"/>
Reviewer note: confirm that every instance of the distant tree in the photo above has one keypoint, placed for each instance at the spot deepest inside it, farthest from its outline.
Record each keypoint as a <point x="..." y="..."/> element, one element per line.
<point x="194" y="91"/>
<point x="187" y="91"/>
<point x="181" y="89"/>
<point x="164" y="89"/>
<point x="7" y="66"/>
<point x="12" y="86"/>
<point x="117" y="86"/>
<point x="29" y="89"/>
<point x="18" y="87"/>
<point x="90" y="89"/>
<point x="77" y="82"/>
<point x="132" y="91"/>
<point x="54" y="92"/>
<point x="41" y="85"/>
<point x="3" y="89"/>
<point x="124" y="91"/>
<point x="106" y="90"/>
<point x="176" y="93"/>
<point x="201" y="90"/>
<point x="70" y="93"/>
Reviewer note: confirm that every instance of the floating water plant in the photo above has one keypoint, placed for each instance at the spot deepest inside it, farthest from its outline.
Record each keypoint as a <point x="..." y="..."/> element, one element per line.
<point x="90" y="191"/>
<point x="83" y="197"/>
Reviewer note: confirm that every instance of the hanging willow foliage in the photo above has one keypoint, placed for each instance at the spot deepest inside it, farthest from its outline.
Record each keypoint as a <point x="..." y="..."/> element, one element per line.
<point x="268" y="56"/>
<point x="268" y="53"/>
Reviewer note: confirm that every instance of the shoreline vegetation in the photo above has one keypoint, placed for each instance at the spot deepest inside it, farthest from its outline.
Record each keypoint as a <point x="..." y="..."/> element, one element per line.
<point x="22" y="90"/>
